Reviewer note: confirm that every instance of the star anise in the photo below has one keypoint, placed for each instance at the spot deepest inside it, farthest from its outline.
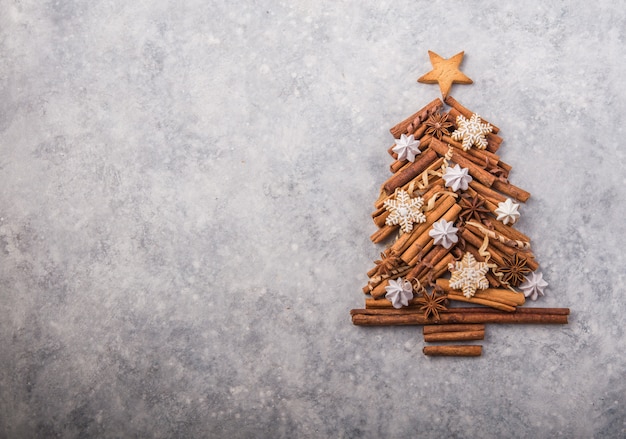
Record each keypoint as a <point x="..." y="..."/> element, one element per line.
<point x="431" y="304"/>
<point x="514" y="269"/>
<point x="437" y="125"/>
<point x="473" y="208"/>
<point x="388" y="262"/>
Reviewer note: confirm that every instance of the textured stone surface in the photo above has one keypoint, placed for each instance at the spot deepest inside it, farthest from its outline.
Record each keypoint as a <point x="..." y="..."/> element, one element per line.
<point x="184" y="217"/>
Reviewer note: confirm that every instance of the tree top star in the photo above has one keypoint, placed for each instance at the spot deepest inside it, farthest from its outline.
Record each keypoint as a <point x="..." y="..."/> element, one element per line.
<point x="445" y="72"/>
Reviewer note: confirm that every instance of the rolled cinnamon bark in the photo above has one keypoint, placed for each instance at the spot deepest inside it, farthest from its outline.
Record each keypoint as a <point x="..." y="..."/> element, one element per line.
<point x="466" y="112"/>
<point x="511" y="190"/>
<point x="407" y="174"/>
<point x="475" y="171"/>
<point x="487" y="193"/>
<point x="385" y="317"/>
<point x="454" y="336"/>
<point x="501" y="305"/>
<point x="453" y="350"/>
<point x="411" y="123"/>
<point x="433" y="329"/>
<point x="493" y="294"/>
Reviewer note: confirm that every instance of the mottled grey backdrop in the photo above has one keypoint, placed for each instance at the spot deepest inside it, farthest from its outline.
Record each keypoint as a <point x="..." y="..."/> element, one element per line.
<point x="185" y="190"/>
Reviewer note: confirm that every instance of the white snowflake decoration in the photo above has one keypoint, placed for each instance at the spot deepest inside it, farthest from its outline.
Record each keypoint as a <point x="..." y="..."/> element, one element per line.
<point x="507" y="212"/>
<point x="457" y="178"/>
<point x="404" y="210"/>
<point x="399" y="292"/>
<point x="472" y="132"/>
<point x="407" y="147"/>
<point x="533" y="285"/>
<point x="468" y="275"/>
<point x="444" y="233"/>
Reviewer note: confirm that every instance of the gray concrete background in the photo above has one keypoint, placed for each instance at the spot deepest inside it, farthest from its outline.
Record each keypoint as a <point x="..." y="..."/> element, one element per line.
<point x="185" y="190"/>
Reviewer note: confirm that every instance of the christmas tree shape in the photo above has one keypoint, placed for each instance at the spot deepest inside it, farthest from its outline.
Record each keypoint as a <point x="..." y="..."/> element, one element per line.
<point x="454" y="260"/>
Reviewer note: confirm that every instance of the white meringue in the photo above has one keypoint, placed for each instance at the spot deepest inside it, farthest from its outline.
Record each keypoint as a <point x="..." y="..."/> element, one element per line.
<point x="507" y="212"/>
<point x="457" y="178"/>
<point x="444" y="233"/>
<point x="533" y="285"/>
<point x="407" y="147"/>
<point x="399" y="292"/>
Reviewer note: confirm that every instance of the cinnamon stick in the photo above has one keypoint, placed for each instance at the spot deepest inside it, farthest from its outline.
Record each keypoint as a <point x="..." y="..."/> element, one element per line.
<point x="384" y="317"/>
<point x="375" y="282"/>
<point x="481" y="157"/>
<point x="454" y="336"/>
<point x="411" y="123"/>
<point x="453" y="350"/>
<point x="493" y="294"/>
<point x="475" y="171"/>
<point x="438" y="270"/>
<point x="478" y="301"/>
<point x="511" y="190"/>
<point x="433" y="329"/>
<point x="431" y="181"/>
<point x="487" y="193"/>
<point x="407" y="174"/>
<point x="477" y="241"/>
<point x="407" y="248"/>
<point x="497" y="249"/>
<point x="493" y="142"/>
<point x="428" y="262"/>
<point x="424" y="241"/>
<point x="386" y="304"/>
<point x="465" y="112"/>
<point x="509" y="232"/>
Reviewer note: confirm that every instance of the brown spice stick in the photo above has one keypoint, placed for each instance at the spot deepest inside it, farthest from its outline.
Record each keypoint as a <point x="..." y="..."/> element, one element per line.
<point x="424" y="241"/>
<point x="428" y="262"/>
<point x="497" y="247"/>
<point x="371" y="286"/>
<point x="442" y="205"/>
<point x="406" y="239"/>
<point x="432" y="180"/>
<point x="421" y="163"/>
<point x="468" y="310"/>
<point x="493" y="294"/>
<point x="481" y="157"/>
<point x="454" y="336"/>
<point x="439" y="269"/>
<point x="384" y="303"/>
<point x="487" y="193"/>
<point x="466" y="112"/>
<point x="411" y="123"/>
<point x="386" y="230"/>
<point x="511" y="190"/>
<point x="383" y="233"/>
<point x="475" y="171"/>
<point x="496" y="305"/>
<point x="384" y="317"/>
<point x="477" y="240"/>
<point x="493" y="142"/>
<point x="505" y="166"/>
<point x="433" y="329"/>
<point x="453" y="350"/>
<point x="509" y="232"/>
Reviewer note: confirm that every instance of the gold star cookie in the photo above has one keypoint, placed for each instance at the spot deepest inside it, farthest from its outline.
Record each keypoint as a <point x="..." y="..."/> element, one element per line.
<point x="445" y="72"/>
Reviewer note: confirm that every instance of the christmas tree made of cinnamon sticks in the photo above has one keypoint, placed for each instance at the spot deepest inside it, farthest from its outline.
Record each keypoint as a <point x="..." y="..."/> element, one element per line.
<point x="455" y="262"/>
